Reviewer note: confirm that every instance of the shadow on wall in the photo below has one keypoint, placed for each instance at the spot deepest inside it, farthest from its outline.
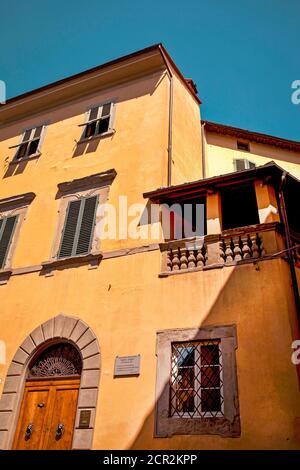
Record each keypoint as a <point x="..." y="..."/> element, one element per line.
<point x="262" y="339"/>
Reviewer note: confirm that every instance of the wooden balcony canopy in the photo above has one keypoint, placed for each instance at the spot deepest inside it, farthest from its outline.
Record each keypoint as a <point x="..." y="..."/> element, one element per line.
<point x="270" y="173"/>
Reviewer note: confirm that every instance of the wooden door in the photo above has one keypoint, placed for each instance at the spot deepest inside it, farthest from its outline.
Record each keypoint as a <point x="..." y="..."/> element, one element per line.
<point x="47" y="415"/>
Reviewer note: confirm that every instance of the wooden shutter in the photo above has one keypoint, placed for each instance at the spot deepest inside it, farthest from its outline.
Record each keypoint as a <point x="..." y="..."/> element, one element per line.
<point x="87" y="225"/>
<point x="79" y="227"/>
<point x="243" y="164"/>
<point x="7" y="227"/>
<point x="240" y="164"/>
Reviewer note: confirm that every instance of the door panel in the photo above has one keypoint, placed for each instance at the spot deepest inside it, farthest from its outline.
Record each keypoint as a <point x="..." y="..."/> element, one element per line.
<point x="33" y="412"/>
<point x="64" y="413"/>
<point x="45" y="405"/>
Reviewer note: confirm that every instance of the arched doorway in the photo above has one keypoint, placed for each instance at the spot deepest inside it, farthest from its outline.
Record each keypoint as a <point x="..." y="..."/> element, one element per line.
<point x="59" y="329"/>
<point x="48" y="410"/>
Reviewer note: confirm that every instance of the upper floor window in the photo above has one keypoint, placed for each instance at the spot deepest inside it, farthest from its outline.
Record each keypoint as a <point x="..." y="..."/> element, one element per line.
<point x="184" y="218"/>
<point x="79" y="227"/>
<point x="244" y="146"/>
<point x="99" y="121"/>
<point x="7" y="227"/>
<point x="30" y="144"/>
<point x="239" y="206"/>
<point x="76" y="239"/>
<point x="243" y="164"/>
<point x="12" y="216"/>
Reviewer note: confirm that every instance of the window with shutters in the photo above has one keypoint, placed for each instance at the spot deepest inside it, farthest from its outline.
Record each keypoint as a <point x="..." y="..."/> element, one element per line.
<point x="243" y="164"/>
<point x="196" y="391"/>
<point x="78" y="229"/>
<point x="30" y="144"/>
<point x="7" y="227"/>
<point x="12" y="215"/>
<point x="99" y="121"/>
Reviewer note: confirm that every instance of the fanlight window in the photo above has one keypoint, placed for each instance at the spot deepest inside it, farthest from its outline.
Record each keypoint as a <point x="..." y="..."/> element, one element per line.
<point x="57" y="361"/>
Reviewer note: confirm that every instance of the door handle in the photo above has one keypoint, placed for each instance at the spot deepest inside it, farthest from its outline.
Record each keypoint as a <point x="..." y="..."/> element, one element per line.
<point x="59" y="431"/>
<point x="28" y="431"/>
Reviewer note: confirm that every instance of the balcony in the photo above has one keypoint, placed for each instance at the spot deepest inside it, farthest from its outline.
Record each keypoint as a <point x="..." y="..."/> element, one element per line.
<point x="231" y="247"/>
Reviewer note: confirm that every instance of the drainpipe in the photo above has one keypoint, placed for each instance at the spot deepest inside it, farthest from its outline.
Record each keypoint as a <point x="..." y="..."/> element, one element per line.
<point x="170" y="128"/>
<point x="203" y="150"/>
<point x="289" y="245"/>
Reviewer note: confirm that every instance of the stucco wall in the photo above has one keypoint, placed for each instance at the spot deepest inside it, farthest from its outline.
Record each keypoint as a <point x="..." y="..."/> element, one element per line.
<point x="221" y="151"/>
<point x="125" y="303"/>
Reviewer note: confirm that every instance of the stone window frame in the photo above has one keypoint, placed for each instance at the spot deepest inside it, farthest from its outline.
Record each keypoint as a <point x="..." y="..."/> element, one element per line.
<point x="225" y="426"/>
<point x="38" y="152"/>
<point x="93" y="185"/>
<point x="111" y="130"/>
<point x="9" y="207"/>
<point x="61" y="328"/>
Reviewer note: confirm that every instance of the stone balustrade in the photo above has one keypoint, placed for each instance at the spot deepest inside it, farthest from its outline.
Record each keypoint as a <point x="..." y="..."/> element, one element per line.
<point x="231" y="247"/>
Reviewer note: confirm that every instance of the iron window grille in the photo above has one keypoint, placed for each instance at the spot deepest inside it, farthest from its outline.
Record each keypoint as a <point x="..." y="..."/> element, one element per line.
<point x="196" y="388"/>
<point x="98" y="122"/>
<point x="30" y="143"/>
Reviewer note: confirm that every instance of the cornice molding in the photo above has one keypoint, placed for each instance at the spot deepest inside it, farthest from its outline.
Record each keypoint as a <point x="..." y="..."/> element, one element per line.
<point x="20" y="200"/>
<point x="96" y="180"/>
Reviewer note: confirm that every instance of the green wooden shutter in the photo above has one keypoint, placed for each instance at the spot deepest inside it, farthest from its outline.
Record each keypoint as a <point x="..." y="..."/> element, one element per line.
<point x="7" y="227"/>
<point x="79" y="227"/>
<point x="69" y="231"/>
<point x="86" y="229"/>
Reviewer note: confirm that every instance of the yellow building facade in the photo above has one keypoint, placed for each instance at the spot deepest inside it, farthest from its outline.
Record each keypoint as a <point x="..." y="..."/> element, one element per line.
<point x="208" y="322"/>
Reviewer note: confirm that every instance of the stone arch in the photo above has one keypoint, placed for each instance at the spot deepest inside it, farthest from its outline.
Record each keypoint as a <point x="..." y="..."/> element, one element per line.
<point x="61" y="327"/>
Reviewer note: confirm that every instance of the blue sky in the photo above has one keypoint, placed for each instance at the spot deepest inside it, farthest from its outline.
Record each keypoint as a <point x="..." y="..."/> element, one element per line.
<point x="243" y="55"/>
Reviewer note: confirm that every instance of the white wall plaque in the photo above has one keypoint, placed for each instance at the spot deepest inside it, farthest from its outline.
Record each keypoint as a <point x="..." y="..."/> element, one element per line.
<point x="127" y="365"/>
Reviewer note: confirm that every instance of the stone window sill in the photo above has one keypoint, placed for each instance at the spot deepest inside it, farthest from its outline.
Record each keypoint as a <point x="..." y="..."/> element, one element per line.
<point x="34" y="156"/>
<point x="5" y="275"/>
<point x="93" y="259"/>
<point x="97" y="137"/>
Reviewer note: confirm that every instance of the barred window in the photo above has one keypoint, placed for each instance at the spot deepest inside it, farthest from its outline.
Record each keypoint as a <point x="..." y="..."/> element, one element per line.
<point x="99" y="121"/>
<point x="30" y="143"/>
<point x="196" y="384"/>
<point x="196" y="380"/>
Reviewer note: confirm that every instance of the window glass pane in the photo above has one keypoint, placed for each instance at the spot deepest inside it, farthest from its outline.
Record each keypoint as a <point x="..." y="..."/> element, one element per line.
<point x="210" y="354"/>
<point x="27" y="135"/>
<point x="210" y="400"/>
<point x="185" y="401"/>
<point x="106" y="109"/>
<point x="22" y="151"/>
<point x="33" y="147"/>
<point x="90" y="129"/>
<point x="38" y="131"/>
<point x="185" y="378"/>
<point x="210" y="376"/>
<point x="186" y="356"/>
<point x="103" y="125"/>
<point x="93" y="113"/>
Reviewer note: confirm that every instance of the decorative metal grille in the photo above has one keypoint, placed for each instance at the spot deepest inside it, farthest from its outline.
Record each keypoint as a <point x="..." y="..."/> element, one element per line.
<point x="57" y="360"/>
<point x="196" y="389"/>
